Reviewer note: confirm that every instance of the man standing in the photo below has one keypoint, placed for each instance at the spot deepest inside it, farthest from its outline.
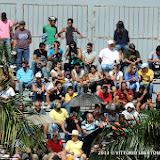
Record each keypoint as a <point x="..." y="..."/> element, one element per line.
<point x="70" y="32"/>
<point x="40" y="60"/>
<point x="24" y="77"/>
<point x="5" y="29"/>
<point x="88" y="57"/>
<point x="22" y="40"/>
<point x="51" y="31"/>
<point x="108" y="57"/>
<point x="154" y="59"/>
<point x="146" y="76"/>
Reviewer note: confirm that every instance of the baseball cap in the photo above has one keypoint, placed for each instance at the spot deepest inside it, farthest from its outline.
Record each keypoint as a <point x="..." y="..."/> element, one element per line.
<point x="110" y="42"/>
<point x="144" y="65"/>
<point x="132" y="46"/>
<point x="22" y="23"/>
<point x="112" y="107"/>
<point x="56" y="105"/>
<point x="38" y="75"/>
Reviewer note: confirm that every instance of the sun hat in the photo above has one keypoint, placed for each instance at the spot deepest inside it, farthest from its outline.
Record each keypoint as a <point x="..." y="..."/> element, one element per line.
<point x="130" y="104"/>
<point x="75" y="133"/>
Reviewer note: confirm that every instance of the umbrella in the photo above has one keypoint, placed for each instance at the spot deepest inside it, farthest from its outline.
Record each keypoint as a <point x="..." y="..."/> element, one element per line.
<point x="40" y="119"/>
<point x="84" y="100"/>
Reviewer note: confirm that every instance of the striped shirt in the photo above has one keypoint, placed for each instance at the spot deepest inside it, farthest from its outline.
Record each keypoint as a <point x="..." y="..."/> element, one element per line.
<point x="89" y="127"/>
<point x="25" y="76"/>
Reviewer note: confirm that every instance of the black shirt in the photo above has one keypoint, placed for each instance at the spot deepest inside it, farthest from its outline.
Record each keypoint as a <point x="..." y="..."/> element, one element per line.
<point x="102" y="83"/>
<point x="41" y="56"/>
<point x="71" y="125"/>
<point x="57" y="95"/>
<point x="145" y="98"/>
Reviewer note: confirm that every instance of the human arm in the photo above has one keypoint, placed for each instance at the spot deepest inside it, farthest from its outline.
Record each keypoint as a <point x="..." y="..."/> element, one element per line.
<point x="35" y="59"/>
<point x="60" y="33"/>
<point x="80" y="36"/>
<point x="89" y="77"/>
<point x="55" y="51"/>
<point x="119" y="101"/>
<point x="63" y="127"/>
<point x="85" y="131"/>
<point x="77" y="125"/>
<point x="128" y="96"/>
<point x="100" y="60"/>
<point x="73" y="77"/>
<point x="107" y="120"/>
<point x="150" y="60"/>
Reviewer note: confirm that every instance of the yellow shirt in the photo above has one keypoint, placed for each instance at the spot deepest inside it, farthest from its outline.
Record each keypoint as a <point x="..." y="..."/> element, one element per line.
<point x="75" y="147"/>
<point x="59" y="116"/>
<point x="146" y="76"/>
<point x="68" y="97"/>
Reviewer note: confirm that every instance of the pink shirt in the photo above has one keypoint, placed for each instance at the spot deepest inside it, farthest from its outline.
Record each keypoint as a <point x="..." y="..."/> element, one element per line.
<point x="5" y="28"/>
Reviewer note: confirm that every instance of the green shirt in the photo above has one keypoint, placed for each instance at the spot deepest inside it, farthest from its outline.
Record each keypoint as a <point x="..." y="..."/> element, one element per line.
<point x="128" y="54"/>
<point x="51" y="32"/>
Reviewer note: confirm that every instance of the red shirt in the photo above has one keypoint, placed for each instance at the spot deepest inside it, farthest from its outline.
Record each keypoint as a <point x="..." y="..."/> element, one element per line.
<point x="122" y="96"/>
<point x="56" y="147"/>
<point x="107" y="98"/>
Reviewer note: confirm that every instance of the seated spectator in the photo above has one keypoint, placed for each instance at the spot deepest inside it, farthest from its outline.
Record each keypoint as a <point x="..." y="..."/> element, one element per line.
<point x="77" y="110"/>
<point x="40" y="60"/>
<point x="146" y="76"/>
<point x="56" y="71"/>
<point x="106" y="97"/>
<point x="123" y="95"/>
<point x="116" y="76"/>
<point x="131" y="77"/>
<point x="108" y="57"/>
<point x="7" y="76"/>
<point x="112" y="116"/>
<point x="79" y="78"/>
<point x="132" y="56"/>
<point x="158" y="100"/>
<point x="88" y="57"/>
<point x="68" y="97"/>
<point x="38" y="87"/>
<point x="74" y="146"/>
<point x="24" y="77"/>
<point x="55" y="147"/>
<point x="40" y="111"/>
<point x="54" y="55"/>
<point x="68" y="81"/>
<point x="130" y="114"/>
<point x="154" y="59"/>
<point x="121" y="38"/>
<point x="55" y="94"/>
<point x="106" y="81"/>
<point x="59" y="114"/>
<point x="93" y="77"/>
<point x="102" y="119"/>
<point x="97" y="112"/>
<point x="72" y="123"/>
<point x="143" y="99"/>
<point x="90" y="124"/>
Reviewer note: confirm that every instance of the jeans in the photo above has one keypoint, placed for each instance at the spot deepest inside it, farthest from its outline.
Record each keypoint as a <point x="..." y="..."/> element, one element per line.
<point x="66" y="107"/>
<point x="133" y="86"/>
<point x="149" y="87"/>
<point x="118" y="85"/>
<point x="78" y="86"/>
<point x="36" y="96"/>
<point x="107" y="67"/>
<point x="93" y="86"/>
<point x="150" y="65"/>
<point x="43" y="69"/>
<point x="22" y="53"/>
<point x="23" y="85"/>
<point x="49" y="47"/>
<point x="6" y="45"/>
<point x="121" y="46"/>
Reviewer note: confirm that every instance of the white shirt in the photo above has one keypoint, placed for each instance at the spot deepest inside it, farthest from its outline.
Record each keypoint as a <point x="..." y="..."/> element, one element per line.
<point x="50" y="86"/>
<point x="119" y="74"/>
<point x="108" y="56"/>
<point x="7" y="93"/>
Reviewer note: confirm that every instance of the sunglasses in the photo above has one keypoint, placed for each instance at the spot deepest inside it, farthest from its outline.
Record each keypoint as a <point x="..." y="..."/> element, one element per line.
<point x="55" y="135"/>
<point x="134" y="68"/>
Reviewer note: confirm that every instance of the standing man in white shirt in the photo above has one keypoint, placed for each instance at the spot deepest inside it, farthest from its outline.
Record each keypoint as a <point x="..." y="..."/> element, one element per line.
<point x="108" y="57"/>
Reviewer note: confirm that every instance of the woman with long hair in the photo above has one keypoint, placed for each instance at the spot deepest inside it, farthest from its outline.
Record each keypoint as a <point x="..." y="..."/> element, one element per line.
<point x="131" y="77"/>
<point x="121" y="38"/>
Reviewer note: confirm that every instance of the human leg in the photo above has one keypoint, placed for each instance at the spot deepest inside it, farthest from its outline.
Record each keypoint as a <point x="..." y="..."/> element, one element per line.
<point x="34" y="67"/>
<point x="66" y="107"/>
<point x="19" y="58"/>
<point x="150" y="65"/>
<point x="44" y="72"/>
<point x="93" y="86"/>
<point x="138" y="107"/>
<point x="26" y="55"/>
<point x="21" y="86"/>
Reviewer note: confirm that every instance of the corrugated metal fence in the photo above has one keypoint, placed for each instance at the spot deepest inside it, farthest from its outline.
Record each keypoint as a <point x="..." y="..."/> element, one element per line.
<point x="96" y="22"/>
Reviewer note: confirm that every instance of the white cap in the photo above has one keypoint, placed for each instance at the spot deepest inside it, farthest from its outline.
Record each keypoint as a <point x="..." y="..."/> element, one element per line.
<point x="38" y="75"/>
<point x="130" y="104"/>
<point x="110" y="41"/>
<point x="144" y="65"/>
<point x="112" y="107"/>
<point x="75" y="133"/>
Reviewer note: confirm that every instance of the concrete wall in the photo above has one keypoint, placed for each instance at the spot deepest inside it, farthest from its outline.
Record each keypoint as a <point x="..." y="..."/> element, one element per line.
<point x="96" y="20"/>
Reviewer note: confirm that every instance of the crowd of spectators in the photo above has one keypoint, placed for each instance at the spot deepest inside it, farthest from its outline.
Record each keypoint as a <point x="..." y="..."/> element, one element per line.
<point x="124" y="83"/>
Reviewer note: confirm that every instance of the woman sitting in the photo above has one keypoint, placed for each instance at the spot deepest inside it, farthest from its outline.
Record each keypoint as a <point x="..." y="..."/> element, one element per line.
<point x="38" y="89"/>
<point x="112" y="116"/>
<point x="93" y="77"/>
<point x="116" y="76"/>
<point x="131" y="77"/>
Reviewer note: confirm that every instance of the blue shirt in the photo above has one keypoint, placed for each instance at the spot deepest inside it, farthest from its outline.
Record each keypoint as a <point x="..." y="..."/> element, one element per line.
<point x="53" y="51"/>
<point x="124" y="40"/>
<point x="25" y="76"/>
<point x="111" y="121"/>
<point x="128" y="77"/>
